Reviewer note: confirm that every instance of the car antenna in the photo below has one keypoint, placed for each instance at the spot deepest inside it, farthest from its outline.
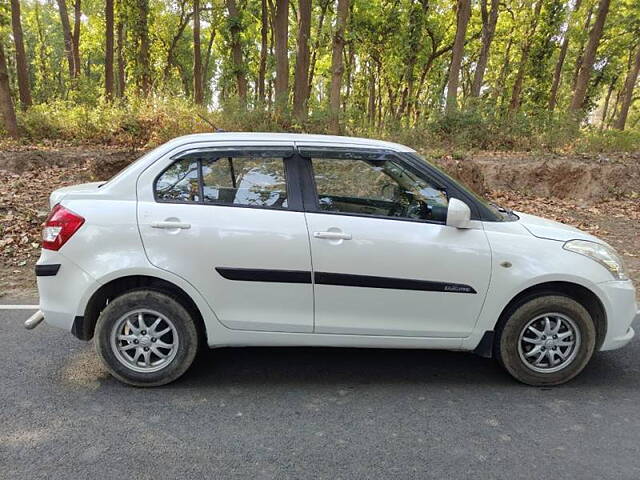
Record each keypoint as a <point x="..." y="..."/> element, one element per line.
<point x="215" y="129"/>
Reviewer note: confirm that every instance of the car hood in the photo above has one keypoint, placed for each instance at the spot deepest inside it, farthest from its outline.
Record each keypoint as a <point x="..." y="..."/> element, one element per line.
<point x="552" y="230"/>
<point x="57" y="195"/>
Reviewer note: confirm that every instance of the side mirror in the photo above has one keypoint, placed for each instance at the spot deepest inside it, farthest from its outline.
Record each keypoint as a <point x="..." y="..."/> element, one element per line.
<point x="458" y="214"/>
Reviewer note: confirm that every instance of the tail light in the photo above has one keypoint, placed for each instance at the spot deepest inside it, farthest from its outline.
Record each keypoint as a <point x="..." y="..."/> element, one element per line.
<point x="59" y="227"/>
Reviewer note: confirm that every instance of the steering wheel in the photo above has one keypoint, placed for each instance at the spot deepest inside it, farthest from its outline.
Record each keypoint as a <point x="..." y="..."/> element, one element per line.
<point x="417" y="209"/>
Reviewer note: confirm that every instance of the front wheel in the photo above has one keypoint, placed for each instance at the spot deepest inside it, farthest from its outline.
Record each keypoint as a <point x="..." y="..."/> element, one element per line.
<point x="146" y="338"/>
<point x="547" y="340"/>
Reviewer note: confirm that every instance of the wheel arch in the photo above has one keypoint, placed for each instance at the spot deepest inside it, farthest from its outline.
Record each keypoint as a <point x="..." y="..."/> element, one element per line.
<point x="84" y="326"/>
<point x="581" y="294"/>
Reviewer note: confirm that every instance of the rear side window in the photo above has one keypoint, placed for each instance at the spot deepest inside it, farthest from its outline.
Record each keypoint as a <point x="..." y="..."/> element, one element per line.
<point x="179" y="183"/>
<point x="245" y="181"/>
<point x="226" y="180"/>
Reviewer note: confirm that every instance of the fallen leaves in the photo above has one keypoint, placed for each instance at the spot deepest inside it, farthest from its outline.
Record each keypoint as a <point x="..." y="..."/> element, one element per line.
<point x="23" y="209"/>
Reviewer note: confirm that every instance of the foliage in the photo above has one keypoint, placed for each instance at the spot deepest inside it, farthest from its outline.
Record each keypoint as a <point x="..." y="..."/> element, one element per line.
<point x="396" y="63"/>
<point x="149" y="122"/>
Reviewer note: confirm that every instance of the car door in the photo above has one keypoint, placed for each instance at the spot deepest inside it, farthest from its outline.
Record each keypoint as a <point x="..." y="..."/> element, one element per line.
<point x="229" y="221"/>
<point x="384" y="261"/>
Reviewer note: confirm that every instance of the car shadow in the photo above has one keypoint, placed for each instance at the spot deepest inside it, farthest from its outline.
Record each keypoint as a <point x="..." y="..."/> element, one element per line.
<point x="327" y="366"/>
<point x="323" y="366"/>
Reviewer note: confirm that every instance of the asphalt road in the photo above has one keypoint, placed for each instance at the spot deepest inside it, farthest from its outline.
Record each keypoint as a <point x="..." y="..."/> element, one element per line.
<point x="310" y="413"/>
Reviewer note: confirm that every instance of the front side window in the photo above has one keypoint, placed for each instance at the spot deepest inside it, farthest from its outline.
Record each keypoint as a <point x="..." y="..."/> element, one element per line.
<point x="225" y="180"/>
<point x="377" y="186"/>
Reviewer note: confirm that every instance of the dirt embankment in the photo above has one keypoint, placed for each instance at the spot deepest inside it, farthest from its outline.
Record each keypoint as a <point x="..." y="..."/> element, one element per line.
<point x="579" y="178"/>
<point x="589" y="178"/>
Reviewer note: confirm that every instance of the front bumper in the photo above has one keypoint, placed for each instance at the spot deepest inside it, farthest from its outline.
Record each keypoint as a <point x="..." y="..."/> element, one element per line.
<point x="619" y="298"/>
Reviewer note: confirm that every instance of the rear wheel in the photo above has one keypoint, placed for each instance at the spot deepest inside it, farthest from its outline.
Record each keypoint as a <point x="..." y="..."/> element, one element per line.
<point x="547" y="340"/>
<point x="146" y="338"/>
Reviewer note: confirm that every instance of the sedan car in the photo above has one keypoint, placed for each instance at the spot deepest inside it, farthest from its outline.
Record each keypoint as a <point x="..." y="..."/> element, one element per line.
<point x="256" y="239"/>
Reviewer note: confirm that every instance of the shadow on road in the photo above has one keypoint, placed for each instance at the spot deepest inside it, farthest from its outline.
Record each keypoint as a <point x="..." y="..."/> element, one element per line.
<point x="322" y="366"/>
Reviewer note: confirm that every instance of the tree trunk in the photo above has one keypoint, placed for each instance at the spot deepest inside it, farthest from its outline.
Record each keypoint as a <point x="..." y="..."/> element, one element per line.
<point x="605" y="108"/>
<point x="6" y="102"/>
<point x="66" y="32"/>
<point x="557" y="74"/>
<point x="463" y="15"/>
<point x="627" y="92"/>
<point x="236" y="50"/>
<point x="42" y="47"/>
<point x="185" y="18"/>
<point x="516" y="93"/>
<point x="108" y="50"/>
<point x="301" y="80"/>
<point x="142" y="32"/>
<point x="489" y="21"/>
<point x="198" y="94"/>
<point x="337" y="66"/>
<point x="371" y="102"/>
<point x="21" y="57"/>
<point x="579" y="95"/>
<point x="120" y="55"/>
<point x="205" y="71"/>
<point x="316" y="46"/>
<point x="264" y="32"/>
<point x="77" y="14"/>
<point x="281" y="27"/>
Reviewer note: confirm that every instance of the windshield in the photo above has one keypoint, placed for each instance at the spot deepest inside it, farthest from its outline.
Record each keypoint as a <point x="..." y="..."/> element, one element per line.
<point x="500" y="214"/>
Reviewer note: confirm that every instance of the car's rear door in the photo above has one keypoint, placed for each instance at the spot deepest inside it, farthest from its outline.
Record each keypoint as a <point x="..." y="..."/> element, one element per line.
<point x="229" y="220"/>
<point x="385" y="262"/>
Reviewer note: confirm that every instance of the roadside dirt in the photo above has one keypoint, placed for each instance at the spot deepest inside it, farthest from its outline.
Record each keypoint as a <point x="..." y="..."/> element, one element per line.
<point x="599" y="194"/>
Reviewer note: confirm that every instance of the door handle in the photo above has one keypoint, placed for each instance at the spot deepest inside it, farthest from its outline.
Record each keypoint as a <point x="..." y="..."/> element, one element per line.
<point x="332" y="235"/>
<point x="170" y="225"/>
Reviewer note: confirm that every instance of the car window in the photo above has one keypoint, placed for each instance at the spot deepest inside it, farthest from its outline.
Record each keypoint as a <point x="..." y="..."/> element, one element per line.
<point x="245" y="181"/>
<point x="179" y="182"/>
<point x="225" y="180"/>
<point x="381" y="187"/>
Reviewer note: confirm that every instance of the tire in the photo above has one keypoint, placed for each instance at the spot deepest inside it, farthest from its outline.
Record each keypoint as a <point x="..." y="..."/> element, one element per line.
<point x="528" y="354"/>
<point x="164" y="344"/>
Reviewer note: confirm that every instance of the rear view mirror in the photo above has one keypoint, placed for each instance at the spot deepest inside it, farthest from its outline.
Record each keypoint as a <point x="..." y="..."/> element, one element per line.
<point x="458" y="214"/>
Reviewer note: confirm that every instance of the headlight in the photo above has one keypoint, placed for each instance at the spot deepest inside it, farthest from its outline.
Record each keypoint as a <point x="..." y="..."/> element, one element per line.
<point x="604" y="255"/>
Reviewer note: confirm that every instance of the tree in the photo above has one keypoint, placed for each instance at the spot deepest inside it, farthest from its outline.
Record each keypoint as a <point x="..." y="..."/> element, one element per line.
<point x="6" y="102"/>
<point x="301" y="78"/>
<point x="281" y="35"/>
<point x="77" y="14"/>
<point x="68" y="40"/>
<point x="462" y="20"/>
<point x="588" y="59"/>
<point x="264" y="32"/>
<point x="120" y="35"/>
<point x="235" y="27"/>
<point x="198" y="94"/>
<point x="557" y="74"/>
<point x="489" y="21"/>
<point x="627" y="92"/>
<point x="108" y="50"/>
<point x="337" y="66"/>
<point x="21" y="57"/>
<point x="140" y="32"/>
<point x="514" y="105"/>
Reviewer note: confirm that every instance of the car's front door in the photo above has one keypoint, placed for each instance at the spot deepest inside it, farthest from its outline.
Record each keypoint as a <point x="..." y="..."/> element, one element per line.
<point x="384" y="261"/>
<point x="230" y="223"/>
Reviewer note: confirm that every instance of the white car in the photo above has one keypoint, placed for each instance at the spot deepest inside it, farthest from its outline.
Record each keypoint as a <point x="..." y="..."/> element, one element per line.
<point x="259" y="239"/>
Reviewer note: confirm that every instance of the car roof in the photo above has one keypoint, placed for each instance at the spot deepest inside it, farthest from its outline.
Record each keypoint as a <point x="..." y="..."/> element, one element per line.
<point x="334" y="140"/>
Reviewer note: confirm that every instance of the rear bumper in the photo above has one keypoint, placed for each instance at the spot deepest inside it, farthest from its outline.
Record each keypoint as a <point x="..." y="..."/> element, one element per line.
<point x="60" y="292"/>
<point x="620" y="304"/>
